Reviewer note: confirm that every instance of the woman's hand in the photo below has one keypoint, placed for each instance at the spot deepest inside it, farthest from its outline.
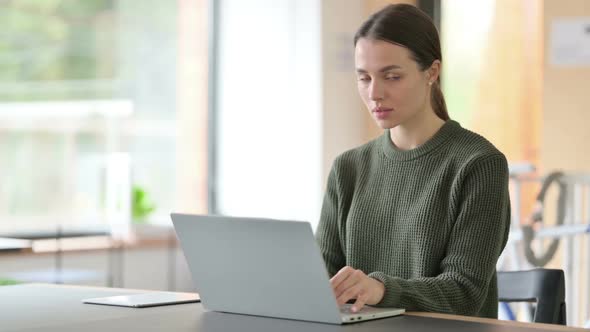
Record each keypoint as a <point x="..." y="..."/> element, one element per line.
<point x="349" y="284"/>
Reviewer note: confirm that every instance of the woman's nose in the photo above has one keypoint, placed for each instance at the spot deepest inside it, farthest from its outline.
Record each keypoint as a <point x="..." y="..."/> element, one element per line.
<point x="375" y="91"/>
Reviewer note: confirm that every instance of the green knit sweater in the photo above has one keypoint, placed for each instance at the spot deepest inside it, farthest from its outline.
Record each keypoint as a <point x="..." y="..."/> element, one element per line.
<point x="429" y="223"/>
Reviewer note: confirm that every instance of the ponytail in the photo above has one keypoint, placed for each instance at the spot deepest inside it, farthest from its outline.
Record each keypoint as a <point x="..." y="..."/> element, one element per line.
<point x="437" y="100"/>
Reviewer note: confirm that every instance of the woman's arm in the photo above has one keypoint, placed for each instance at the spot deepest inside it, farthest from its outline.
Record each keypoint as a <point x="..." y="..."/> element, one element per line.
<point x="477" y="239"/>
<point x="327" y="235"/>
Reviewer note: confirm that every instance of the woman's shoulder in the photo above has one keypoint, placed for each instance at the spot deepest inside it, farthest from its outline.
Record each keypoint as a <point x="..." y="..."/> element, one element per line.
<point x="359" y="155"/>
<point x="351" y="164"/>
<point x="469" y="147"/>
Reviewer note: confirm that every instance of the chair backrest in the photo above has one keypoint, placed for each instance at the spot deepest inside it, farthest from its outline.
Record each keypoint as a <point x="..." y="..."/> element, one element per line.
<point x="546" y="287"/>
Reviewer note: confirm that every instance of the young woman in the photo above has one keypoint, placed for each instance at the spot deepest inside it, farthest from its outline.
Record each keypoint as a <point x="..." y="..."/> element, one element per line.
<point x="418" y="217"/>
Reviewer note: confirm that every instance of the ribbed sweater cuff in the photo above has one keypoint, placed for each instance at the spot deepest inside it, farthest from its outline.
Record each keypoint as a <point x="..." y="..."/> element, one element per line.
<point x="393" y="291"/>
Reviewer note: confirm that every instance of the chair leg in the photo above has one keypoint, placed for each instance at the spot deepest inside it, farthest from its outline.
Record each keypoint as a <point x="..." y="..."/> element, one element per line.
<point x="562" y="316"/>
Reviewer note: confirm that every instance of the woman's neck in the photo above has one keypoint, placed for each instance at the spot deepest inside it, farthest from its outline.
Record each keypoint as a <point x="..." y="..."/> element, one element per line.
<point x="416" y="131"/>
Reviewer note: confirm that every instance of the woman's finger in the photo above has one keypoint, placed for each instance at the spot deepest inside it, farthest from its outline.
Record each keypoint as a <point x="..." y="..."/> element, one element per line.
<point x="361" y="300"/>
<point x="349" y="294"/>
<point x="354" y="277"/>
<point x="340" y="276"/>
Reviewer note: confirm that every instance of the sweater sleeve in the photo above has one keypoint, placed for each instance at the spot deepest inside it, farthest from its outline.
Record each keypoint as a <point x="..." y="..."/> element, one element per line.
<point x="327" y="233"/>
<point x="477" y="239"/>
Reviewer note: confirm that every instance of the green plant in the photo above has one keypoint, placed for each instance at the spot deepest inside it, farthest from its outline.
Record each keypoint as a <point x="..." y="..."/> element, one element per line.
<point x="7" y="282"/>
<point x="141" y="205"/>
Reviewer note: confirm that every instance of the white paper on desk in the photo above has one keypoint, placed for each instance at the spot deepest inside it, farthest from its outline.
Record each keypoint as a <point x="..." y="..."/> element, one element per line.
<point x="569" y="43"/>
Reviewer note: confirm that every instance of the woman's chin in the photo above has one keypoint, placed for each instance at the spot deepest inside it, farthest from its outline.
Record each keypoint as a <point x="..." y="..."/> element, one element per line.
<point x="386" y="124"/>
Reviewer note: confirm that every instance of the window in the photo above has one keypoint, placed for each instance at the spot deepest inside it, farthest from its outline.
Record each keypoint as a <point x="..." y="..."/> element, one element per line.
<point x="84" y="84"/>
<point x="268" y="109"/>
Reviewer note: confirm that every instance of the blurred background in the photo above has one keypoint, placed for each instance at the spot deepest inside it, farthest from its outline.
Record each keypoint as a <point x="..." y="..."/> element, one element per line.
<point x="115" y="113"/>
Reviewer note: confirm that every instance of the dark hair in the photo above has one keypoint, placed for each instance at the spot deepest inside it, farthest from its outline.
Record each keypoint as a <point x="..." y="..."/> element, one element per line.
<point x="411" y="28"/>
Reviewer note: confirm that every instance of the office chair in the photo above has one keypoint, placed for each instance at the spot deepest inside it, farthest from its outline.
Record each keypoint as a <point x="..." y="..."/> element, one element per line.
<point x="546" y="287"/>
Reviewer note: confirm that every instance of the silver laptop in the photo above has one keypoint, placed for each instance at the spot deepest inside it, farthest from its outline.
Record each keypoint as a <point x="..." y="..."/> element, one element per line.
<point x="262" y="267"/>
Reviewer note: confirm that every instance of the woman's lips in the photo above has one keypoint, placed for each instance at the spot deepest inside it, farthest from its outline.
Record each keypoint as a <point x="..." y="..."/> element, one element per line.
<point x="382" y="112"/>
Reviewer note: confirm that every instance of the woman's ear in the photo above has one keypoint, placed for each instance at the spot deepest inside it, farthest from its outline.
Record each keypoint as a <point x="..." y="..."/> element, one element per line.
<point x="434" y="71"/>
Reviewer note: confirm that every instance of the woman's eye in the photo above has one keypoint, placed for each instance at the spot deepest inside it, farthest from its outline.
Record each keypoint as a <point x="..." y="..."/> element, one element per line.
<point x="364" y="79"/>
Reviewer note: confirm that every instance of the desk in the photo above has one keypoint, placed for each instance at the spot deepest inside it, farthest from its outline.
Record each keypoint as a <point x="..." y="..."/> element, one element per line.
<point x="56" y="232"/>
<point x="41" y="307"/>
<point x="8" y="244"/>
<point x="62" y="243"/>
<point x="58" y="274"/>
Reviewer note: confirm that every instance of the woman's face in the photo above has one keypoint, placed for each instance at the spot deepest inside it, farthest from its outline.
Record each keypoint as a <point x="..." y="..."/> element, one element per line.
<point x="390" y="82"/>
